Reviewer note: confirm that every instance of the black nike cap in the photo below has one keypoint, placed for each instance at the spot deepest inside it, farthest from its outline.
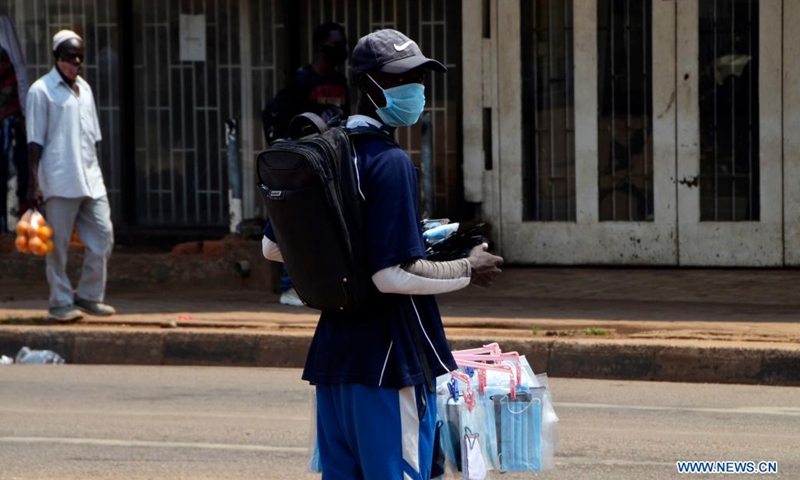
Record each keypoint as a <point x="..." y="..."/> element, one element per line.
<point x="390" y="51"/>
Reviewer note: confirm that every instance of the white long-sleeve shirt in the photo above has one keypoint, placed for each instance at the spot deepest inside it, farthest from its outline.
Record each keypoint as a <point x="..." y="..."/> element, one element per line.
<point x="392" y="279"/>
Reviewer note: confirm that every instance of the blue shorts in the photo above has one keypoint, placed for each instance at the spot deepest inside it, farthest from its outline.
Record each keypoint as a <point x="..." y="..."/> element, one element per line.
<point x="375" y="433"/>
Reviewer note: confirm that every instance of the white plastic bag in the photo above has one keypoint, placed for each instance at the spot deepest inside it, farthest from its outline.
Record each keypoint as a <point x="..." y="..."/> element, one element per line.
<point x="26" y="355"/>
<point x="471" y="451"/>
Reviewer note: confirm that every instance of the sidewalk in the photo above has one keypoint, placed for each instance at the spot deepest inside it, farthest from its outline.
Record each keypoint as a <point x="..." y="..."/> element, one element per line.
<point x="740" y="326"/>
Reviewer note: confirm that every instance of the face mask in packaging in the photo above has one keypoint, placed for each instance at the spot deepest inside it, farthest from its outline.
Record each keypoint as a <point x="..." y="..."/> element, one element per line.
<point x="519" y="431"/>
<point x="474" y="464"/>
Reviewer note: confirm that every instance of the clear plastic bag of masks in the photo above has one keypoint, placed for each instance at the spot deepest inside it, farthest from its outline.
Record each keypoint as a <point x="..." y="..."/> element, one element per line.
<point x="530" y="422"/>
<point x="515" y="434"/>
<point x="549" y="424"/>
<point x="520" y="433"/>
<point x="467" y="431"/>
<point x="525" y="428"/>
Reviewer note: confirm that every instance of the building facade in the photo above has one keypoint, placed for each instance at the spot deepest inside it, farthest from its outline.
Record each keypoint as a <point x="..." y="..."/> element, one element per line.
<point x="167" y="74"/>
<point x="606" y="132"/>
<point x="626" y="132"/>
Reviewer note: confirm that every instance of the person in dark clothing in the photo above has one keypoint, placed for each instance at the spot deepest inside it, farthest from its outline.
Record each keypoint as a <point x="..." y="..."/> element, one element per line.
<point x="318" y="88"/>
<point x="375" y="404"/>
<point x="13" y="144"/>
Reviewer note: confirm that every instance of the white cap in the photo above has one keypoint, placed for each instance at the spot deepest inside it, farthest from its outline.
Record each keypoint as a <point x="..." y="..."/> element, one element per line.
<point x="63" y="36"/>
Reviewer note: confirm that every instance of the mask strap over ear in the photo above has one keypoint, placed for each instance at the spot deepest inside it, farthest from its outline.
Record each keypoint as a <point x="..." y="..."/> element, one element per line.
<point x="373" y="81"/>
<point x="368" y="95"/>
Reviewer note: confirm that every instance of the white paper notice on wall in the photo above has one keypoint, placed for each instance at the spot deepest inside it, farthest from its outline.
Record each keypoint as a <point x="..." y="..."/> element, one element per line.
<point x="193" y="38"/>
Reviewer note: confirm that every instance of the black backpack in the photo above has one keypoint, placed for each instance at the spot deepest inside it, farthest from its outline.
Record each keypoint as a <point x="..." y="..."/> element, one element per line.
<point x="309" y="184"/>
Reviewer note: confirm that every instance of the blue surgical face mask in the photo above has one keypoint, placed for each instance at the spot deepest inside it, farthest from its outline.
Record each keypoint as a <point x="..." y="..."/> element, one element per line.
<point x="404" y="104"/>
<point x="519" y="432"/>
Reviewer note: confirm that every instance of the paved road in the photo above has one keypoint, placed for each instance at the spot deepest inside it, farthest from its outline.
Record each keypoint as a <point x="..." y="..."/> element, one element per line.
<point x="86" y="422"/>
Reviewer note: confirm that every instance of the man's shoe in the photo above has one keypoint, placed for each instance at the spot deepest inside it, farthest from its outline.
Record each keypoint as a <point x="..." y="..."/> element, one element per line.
<point x="290" y="297"/>
<point x="94" y="308"/>
<point x="65" y="314"/>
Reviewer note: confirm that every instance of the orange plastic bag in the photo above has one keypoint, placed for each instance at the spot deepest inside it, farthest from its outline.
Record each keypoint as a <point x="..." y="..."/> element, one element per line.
<point x="34" y="235"/>
<point x="76" y="239"/>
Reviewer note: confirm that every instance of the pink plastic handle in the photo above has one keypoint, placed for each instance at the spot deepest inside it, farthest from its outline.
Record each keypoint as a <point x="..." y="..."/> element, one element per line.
<point x="492" y="348"/>
<point x="461" y="376"/>
<point x="513" y="356"/>
<point x="500" y="367"/>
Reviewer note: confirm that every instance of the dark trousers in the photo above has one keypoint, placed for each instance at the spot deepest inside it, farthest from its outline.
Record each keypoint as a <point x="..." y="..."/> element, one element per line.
<point x="286" y="282"/>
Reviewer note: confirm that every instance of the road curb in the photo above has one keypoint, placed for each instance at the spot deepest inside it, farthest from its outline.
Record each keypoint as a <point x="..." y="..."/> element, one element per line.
<point x="559" y="358"/>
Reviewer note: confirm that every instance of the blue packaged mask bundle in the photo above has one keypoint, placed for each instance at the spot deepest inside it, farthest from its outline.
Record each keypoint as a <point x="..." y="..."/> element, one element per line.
<point x="519" y="431"/>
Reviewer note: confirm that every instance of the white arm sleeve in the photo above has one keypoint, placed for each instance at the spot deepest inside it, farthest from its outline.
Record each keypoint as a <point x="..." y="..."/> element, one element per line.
<point x="397" y="280"/>
<point x="271" y="250"/>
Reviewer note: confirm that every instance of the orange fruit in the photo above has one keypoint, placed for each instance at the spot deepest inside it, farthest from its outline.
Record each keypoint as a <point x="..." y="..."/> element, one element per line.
<point x="48" y="246"/>
<point x="34" y="244"/>
<point x="21" y="243"/>
<point x="45" y="233"/>
<point x="22" y="227"/>
<point x="32" y="231"/>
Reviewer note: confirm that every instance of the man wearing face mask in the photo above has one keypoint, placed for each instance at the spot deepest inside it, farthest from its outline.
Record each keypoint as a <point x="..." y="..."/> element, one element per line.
<point x="318" y="88"/>
<point x="63" y="132"/>
<point x="375" y="369"/>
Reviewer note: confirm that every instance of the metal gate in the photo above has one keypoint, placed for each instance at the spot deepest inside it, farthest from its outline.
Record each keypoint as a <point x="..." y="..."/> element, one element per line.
<point x="181" y="104"/>
<point x="264" y="57"/>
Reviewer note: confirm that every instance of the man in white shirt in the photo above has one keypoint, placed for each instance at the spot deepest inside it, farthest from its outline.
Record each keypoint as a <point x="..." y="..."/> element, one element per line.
<point x="63" y="132"/>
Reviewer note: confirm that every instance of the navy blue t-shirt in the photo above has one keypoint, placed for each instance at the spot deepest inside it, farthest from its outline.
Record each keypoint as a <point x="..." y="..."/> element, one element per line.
<point x="374" y="346"/>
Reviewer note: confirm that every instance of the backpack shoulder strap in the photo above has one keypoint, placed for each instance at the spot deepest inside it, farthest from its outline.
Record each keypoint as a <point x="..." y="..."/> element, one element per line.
<point x="359" y="135"/>
<point x="306" y="124"/>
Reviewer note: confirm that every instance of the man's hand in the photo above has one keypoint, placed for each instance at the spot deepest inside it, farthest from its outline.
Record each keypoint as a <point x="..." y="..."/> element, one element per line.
<point x="35" y="198"/>
<point x="485" y="266"/>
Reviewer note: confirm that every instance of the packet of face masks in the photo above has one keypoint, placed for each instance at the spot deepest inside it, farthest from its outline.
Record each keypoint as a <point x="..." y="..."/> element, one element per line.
<point x="519" y="430"/>
<point x="474" y="467"/>
<point x="446" y="241"/>
<point x="480" y="421"/>
<point x="512" y="434"/>
<point x="448" y="412"/>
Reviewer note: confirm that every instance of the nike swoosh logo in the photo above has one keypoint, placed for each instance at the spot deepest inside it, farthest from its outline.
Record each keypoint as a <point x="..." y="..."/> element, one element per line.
<point x="402" y="47"/>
